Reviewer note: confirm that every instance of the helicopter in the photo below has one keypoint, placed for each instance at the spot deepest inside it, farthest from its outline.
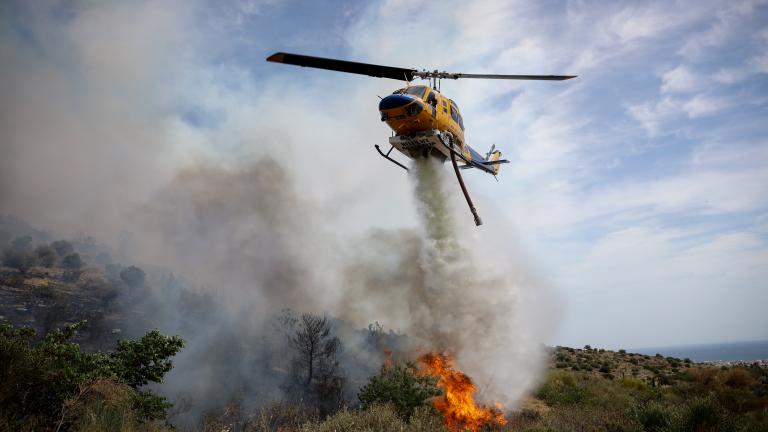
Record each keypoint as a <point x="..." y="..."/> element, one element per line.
<point x="425" y="123"/>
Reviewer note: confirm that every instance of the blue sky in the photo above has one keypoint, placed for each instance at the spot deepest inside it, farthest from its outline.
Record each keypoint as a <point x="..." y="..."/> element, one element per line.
<point x="638" y="190"/>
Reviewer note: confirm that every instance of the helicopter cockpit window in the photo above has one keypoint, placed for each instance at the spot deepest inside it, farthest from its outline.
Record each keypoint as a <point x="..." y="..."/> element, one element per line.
<point x="432" y="99"/>
<point x="454" y="114"/>
<point x="417" y="91"/>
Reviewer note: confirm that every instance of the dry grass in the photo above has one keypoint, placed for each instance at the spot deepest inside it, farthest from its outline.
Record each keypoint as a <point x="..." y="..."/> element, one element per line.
<point x="105" y="405"/>
<point x="378" y="418"/>
<point x="286" y="417"/>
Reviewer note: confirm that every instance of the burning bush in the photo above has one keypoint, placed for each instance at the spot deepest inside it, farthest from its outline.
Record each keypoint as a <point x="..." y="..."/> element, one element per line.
<point x="457" y="404"/>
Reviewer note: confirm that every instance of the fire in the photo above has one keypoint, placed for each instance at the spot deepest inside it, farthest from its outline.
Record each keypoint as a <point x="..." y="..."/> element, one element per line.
<point x="388" y="360"/>
<point x="457" y="404"/>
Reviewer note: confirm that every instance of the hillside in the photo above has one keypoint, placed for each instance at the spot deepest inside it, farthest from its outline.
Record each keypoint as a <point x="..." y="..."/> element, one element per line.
<point x="597" y="389"/>
<point x="585" y="389"/>
<point x="48" y="298"/>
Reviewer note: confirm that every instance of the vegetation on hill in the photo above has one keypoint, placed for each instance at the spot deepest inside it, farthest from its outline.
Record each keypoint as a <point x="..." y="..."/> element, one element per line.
<point x="53" y="385"/>
<point x="401" y="387"/>
<point x="593" y="389"/>
<point x="57" y="371"/>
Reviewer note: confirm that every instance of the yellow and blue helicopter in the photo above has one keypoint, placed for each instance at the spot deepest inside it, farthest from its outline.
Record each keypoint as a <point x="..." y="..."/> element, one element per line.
<point x="424" y="122"/>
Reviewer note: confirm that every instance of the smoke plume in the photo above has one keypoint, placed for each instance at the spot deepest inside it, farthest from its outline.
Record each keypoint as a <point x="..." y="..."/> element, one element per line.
<point x="96" y="146"/>
<point x="456" y="291"/>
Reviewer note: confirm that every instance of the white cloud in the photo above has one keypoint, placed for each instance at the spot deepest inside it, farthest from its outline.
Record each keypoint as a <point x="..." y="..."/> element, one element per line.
<point x="652" y="115"/>
<point x="641" y="22"/>
<point x="680" y="80"/>
<point x="701" y="105"/>
<point x="657" y="117"/>
<point x="732" y="75"/>
<point x="726" y="26"/>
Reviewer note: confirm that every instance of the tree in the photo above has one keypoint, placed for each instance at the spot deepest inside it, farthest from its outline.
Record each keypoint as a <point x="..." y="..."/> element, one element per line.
<point x="46" y="256"/>
<point x="315" y="373"/>
<point x="402" y="386"/>
<point x="133" y="276"/>
<point x="315" y="344"/>
<point x="72" y="261"/>
<point x="38" y="379"/>
<point x="62" y="247"/>
<point x="137" y="362"/>
<point x="19" y="260"/>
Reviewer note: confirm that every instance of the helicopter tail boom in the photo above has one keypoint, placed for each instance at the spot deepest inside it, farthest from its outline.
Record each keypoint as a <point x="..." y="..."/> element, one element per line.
<point x="491" y="163"/>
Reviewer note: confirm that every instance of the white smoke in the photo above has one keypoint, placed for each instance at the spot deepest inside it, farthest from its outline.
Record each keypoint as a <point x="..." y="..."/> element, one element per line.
<point x="458" y="289"/>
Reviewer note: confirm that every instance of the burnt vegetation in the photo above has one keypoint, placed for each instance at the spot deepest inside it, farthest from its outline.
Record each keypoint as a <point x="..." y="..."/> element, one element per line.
<point x="315" y="377"/>
<point x="82" y="347"/>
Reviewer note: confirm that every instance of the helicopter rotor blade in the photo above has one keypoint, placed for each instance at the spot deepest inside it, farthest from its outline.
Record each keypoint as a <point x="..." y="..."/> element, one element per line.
<point x="513" y="77"/>
<point x="373" y="70"/>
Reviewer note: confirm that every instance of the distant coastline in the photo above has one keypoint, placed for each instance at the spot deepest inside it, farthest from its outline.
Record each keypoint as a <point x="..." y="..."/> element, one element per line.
<point x="747" y="351"/>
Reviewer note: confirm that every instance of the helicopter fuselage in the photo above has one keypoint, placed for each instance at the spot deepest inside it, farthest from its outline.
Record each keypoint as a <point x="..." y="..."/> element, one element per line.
<point x="416" y="115"/>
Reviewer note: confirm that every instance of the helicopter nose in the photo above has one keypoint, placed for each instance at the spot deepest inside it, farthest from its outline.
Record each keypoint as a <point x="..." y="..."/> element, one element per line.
<point x="394" y="101"/>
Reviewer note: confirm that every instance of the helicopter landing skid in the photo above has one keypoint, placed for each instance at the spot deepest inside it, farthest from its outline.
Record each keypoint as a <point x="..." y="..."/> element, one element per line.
<point x="472" y="208"/>
<point x="386" y="156"/>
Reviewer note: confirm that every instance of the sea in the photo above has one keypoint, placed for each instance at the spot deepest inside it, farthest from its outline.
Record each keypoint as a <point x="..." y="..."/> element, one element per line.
<point x="727" y="351"/>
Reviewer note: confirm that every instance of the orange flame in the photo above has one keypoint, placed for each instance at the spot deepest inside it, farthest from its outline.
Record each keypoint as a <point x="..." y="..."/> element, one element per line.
<point x="457" y="404"/>
<point x="388" y="360"/>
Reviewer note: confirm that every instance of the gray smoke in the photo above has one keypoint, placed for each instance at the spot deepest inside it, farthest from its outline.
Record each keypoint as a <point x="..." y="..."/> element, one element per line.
<point x="92" y="143"/>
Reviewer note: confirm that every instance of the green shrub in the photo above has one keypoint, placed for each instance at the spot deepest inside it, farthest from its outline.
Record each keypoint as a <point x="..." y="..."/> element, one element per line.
<point x="633" y="384"/>
<point x="46" y="256"/>
<point x="72" y="261"/>
<point x="562" y="388"/>
<point x="702" y="414"/>
<point x="62" y="248"/>
<point x="654" y="417"/>
<point x="401" y="386"/>
<point x="20" y="260"/>
<point x="38" y="379"/>
<point x="133" y="276"/>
